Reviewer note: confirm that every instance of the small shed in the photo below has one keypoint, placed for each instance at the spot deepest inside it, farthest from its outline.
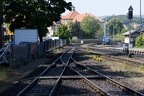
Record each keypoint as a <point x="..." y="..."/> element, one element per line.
<point x="133" y="35"/>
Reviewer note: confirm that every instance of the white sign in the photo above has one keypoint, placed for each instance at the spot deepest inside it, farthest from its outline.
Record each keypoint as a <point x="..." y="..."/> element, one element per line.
<point x="26" y="35"/>
<point x="126" y="40"/>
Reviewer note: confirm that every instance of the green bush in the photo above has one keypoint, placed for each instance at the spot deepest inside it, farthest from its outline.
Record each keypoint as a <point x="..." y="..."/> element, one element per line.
<point x="139" y="43"/>
<point x="63" y="32"/>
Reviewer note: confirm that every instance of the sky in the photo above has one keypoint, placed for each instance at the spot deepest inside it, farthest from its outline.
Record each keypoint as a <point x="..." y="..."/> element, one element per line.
<point x="107" y="7"/>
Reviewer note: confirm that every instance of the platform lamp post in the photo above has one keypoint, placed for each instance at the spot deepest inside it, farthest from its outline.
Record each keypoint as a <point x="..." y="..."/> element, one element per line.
<point x="1" y="24"/>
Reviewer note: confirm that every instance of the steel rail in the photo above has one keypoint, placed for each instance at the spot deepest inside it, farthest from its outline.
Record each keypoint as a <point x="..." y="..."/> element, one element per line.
<point x="130" y="62"/>
<point x="71" y="51"/>
<point x="91" y="84"/>
<point x="136" y="93"/>
<point x="36" y="79"/>
<point x="59" y="80"/>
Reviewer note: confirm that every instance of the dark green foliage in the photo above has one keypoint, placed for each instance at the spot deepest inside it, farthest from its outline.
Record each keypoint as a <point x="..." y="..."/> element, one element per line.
<point x="90" y="27"/>
<point x="75" y="29"/>
<point x="38" y="14"/>
<point x="100" y="33"/>
<point x="114" y="25"/>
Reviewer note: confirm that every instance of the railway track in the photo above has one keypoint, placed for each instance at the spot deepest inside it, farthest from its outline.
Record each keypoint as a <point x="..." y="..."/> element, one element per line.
<point x="101" y="83"/>
<point x="117" y="56"/>
<point x="46" y="86"/>
<point x="65" y="78"/>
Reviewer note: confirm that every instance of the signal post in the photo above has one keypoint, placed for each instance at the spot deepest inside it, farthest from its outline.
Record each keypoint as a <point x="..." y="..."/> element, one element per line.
<point x="128" y="45"/>
<point x="130" y="16"/>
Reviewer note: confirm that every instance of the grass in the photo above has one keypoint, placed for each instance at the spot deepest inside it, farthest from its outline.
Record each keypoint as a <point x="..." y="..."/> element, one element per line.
<point x="9" y="75"/>
<point x="142" y="68"/>
<point x="94" y="57"/>
<point x="4" y="77"/>
<point x="3" y="72"/>
<point x="124" y="68"/>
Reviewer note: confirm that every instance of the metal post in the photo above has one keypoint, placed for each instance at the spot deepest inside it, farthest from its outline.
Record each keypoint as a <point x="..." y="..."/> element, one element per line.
<point x="113" y="27"/>
<point x="113" y="31"/>
<point x="140" y="16"/>
<point x="130" y="16"/>
<point x="1" y="22"/>
<point x="104" y="29"/>
<point x="129" y="32"/>
<point x="81" y="37"/>
<point x="1" y="36"/>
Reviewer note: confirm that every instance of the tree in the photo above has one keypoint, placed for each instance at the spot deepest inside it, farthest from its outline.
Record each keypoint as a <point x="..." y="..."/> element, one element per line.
<point x="89" y="27"/>
<point x="75" y="29"/>
<point x="63" y="32"/>
<point x="100" y="32"/>
<point x="140" y="41"/>
<point x="116" y="24"/>
<point x="38" y="14"/>
<point x="120" y="36"/>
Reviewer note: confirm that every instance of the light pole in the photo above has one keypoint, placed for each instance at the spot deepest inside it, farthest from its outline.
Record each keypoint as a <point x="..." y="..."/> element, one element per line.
<point x="104" y="29"/>
<point x="113" y="30"/>
<point x="113" y="27"/>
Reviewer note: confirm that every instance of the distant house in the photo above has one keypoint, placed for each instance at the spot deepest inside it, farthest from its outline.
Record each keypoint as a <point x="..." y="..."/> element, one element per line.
<point x="131" y="35"/>
<point x="136" y="26"/>
<point x="52" y="29"/>
<point x="72" y="16"/>
<point x="125" y="26"/>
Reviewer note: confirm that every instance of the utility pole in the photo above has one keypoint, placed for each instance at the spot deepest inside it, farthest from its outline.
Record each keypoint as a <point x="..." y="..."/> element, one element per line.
<point x="113" y="27"/>
<point x="113" y="30"/>
<point x="1" y="23"/>
<point x="105" y="27"/>
<point x="140" y="16"/>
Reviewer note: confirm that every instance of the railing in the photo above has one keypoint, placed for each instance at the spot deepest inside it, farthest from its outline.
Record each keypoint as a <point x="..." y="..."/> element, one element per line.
<point x="23" y="53"/>
<point x="3" y="52"/>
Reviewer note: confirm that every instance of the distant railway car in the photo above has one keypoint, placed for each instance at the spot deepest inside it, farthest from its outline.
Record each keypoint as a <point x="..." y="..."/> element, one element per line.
<point x="106" y="40"/>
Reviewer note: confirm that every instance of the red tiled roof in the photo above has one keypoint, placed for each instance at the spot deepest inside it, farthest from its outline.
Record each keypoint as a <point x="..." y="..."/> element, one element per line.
<point x="75" y="16"/>
<point x="81" y="16"/>
<point x="71" y="15"/>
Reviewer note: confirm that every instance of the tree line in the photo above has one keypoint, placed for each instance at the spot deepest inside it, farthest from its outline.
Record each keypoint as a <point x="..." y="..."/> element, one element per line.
<point x="91" y="28"/>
